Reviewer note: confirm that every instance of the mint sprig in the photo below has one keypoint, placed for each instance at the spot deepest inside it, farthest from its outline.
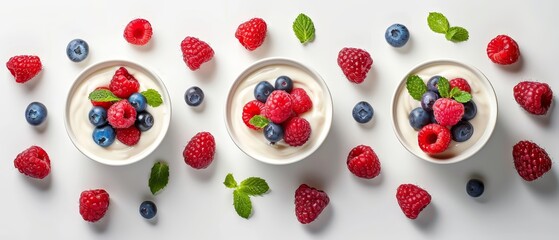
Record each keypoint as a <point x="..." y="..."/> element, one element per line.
<point x="159" y="177"/>
<point x="444" y="90"/>
<point x="462" y="96"/>
<point x="303" y="27"/>
<point x="444" y="87"/>
<point x="439" y="23"/>
<point x="242" y="203"/>
<point x="153" y="97"/>
<point x="416" y="87"/>
<point x="259" y="121"/>
<point x="103" y="95"/>
<point x="252" y="186"/>
<point x="457" y="34"/>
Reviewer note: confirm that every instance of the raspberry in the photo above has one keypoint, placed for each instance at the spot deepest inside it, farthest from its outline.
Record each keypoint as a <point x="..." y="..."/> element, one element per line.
<point x="309" y="203"/>
<point x="94" y="204"/>
<point x="461" y="84"/>
<point x="121" y="114"/>
<point x="200" y="150"/>
<point x="195" y="52"/>
<point x="123" y="84"/>
<point x="250" y="110"/>
<point x="433" y="138"/>
<point x="278" y="106"/>
<point x="534" y="97"/>
<point x="301" y="102"/>
<point x="412" y="199"/>
<point x="105" y="105"/>
<point x="24" y="67"/>
<point x="129" y="136"/>
<point x="251" y="34"/>
<point x="530" y="160"/>
<point x="355" y="63"/>
<point x="363" y="162"/>
<point x="503" y="50"/>
<point x="138" y="32"/>
<point x="33" y="162"/>
<point x="296" y="131"/>
<point x="447" y="111"/>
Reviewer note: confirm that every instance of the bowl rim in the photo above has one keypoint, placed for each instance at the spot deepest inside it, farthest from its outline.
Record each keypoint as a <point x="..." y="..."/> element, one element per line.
<point x="292" y="62"/>
<point x="109" y="63"/>
<point x="484" y="138"/>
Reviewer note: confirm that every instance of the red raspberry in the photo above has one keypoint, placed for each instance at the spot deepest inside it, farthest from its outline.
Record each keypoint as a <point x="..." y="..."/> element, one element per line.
<point x="278" y="106"/>
<point x="138" y="32"/>
<point x="534" y="97"/>
<point x="301" y="102"/>
<point x="363" y="162"/>
<point x="195" y="52"/>
<point x="121" y="114"/>
<point x="94" y="204"/>
<point x="24" y="67"/>
<point x="296" y="131"/>
<point x="433" y="138"/>
<point x="461" y="84"/>
<point x="412" y="199"/>
<point x="530" y="160"/>
<point x="105" y="105"/>
<point x="33" y="162"/>
<point x="250" y="110"/>
<point x="123" y="84"/>
<point x="251" y="34"/>
<point x="129" y="136"/>
<point x="355" y="63"/>
<point x="200" y="150"/>
<point x="309" y="203"/>
<point x="447" y="111"/>
<point x="503" y="50"/>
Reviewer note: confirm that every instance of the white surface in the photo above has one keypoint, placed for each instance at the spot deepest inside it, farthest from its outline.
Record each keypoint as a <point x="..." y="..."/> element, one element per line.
<point x="195" y="204"/>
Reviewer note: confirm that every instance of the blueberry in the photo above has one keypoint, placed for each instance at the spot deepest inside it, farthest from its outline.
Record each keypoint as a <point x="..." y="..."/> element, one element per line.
<point x="98" y="116"/>
<point x="263" y="90"/>
<point x="144" y="121"/>
<point x="138" y="101"/>
<point x="432" y="84"/>
<point x="428" y="99"/>
<point x="35" y="113"/>
<point x="273" y="132"/>
<point x="284" y="83"/>
<point x="77" y="50"/>
<point x="462" y="131"/>
<point x="104" y="136"/>
<point x="432" y="117"/>
<point x="470" y="110"/>
<point x="475" y="187"/>
<point x="397" y="35"/>
<point x="148" y="210"/>
<point x="363" y="112"/>
<point x="194" y="96"/>
<point x="419" y="118"/>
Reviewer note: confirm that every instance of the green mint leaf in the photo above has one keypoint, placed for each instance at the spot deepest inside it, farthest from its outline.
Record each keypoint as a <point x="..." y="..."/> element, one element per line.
<point x="444" y="87"/>
<point x="159" y="177"/>
<point x="242" y="203"/>
<point x="230" y="181"/>
<point x="437" y="22"/>
<point x="462" y="97"/>
<point x="254" y="186"/>
<point x="454" y="91"/>
<point x="103" y="95"/>
<point x="153" y="97"/>
<point x="304" y="28"/>
<point x="416" y="87"/>
<point x="259" y="121"/>
<point x="457" y="34"/>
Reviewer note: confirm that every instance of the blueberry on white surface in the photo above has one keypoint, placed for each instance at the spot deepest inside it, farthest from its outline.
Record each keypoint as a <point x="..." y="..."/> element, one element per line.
<point x="419" y="118"/>
<point x="470" y="110"/>
<point x="144" y="121"/>
<point x="98" y="116"/>
<point x="35" y="113"/>
<point x="284" y="83"/>
<point x="475" y="187"/>
<point x="138" y="101"/>
<point x="104" y="136"/>
<point x="397" y="35"/>
<point x="428" y="99"/>
<point x="263" y="90"/>
<point x="194" y="96"/>
<point x="148" y="209"/>
<point x="77" y="50"/>
<point x="462" y="131"/>
<point x="273" y="132"/>
<point x="363" y="112"/>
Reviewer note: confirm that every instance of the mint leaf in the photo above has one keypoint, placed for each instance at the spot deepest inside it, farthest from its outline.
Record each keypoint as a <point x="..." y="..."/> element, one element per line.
<point x="230" y="181"/>
<point x="259" y="121"/>
<point x="254" y="186"/>
<point x="454" y="91"/>
<point x="153" y="97"/>
<point x="457" y="34"/>
<point x="444" y="87"/>
<point x="462" y="97"/>
<point x="416" y="87"/>
<point x="303" y="28"/>
<point x="159" y="177"/>
<point x="437" y="22"/>
<point x="103" y="95"/>
<point x="242" y="203"/>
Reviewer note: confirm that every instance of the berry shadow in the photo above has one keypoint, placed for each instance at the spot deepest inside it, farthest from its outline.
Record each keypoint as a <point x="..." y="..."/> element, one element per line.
<point x="375" y="182"/>
<point x="322" y="222"/>
<point x="406" y="48"/>
<point x="102" y="225"/>
<point x="545" y="120"/>
<point x="546" y="186"/>
<point x="370" y="83"/>
<point x="145" y="48"/>
<point x="513" y="68"/>
<point x="207" y="174"/>
<point x="149" y="197"/>
<point x="33" y="83"/>
<point x="427" y="218"/>
<point x="207" y="70"/>
<point x="40" y="184"/>
<point x="262" y="51"/>
<point x="41" y="128"/>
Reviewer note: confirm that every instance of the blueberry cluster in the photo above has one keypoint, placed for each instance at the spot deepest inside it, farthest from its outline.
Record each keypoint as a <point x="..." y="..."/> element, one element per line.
<point x="272" y="132"/>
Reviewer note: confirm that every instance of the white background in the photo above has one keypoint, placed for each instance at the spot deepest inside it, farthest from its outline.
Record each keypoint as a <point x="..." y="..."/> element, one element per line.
<point x="195" y="204"/>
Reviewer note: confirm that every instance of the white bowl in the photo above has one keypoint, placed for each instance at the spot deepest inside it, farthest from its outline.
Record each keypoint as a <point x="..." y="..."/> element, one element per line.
<point x="80" y="130"/>
<point x="482" y="94"/>
<point x="252" y="142"/>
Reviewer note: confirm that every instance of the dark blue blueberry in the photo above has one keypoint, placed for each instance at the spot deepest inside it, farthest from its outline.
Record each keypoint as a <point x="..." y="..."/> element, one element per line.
<point x="77" y="50"/>
<point x="138" y="101"/>
<point x="104" y="136"/>
<point x="148" y="210"/>
<point x="194" y="96"/>
<point x="432" y="84"/>
<point x="144" y="121"/>
<point x="475" y="187"/>
<point x="470" y="110"/>
<point x="98" y="116"/>
<point x="428" y="99"/>
<point x="363" y="112"/>
<point x="284" y="83"/>
<point x="432" y="117"/>
<point x="273" y="132"/>
<point x="35" y="113"/>
<point x="419" y="118"/>
<point x="397" y="35"/>
<point x="462" y="131"/>
<point x="263" y="90"/>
